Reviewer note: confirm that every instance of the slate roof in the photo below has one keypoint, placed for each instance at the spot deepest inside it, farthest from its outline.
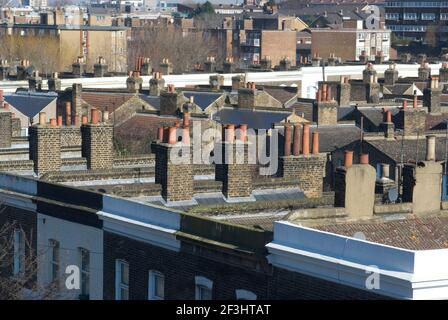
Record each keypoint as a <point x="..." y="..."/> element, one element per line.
<point x="282" y="94"/>
<point x="30" y="104"/>
<point x="106" y="100"/>
<point x="392" y="148"/>
<point x="413" y="233"/>
<point x="336" y="136"/>
<point x="256" y="119"/>
<point x="202" y="99"/>
<point x="436" y="122"/>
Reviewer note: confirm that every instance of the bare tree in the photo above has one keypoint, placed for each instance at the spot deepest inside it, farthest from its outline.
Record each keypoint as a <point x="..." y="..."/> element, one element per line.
<point x="18" y="266"/>
<point x="183" y="48"/>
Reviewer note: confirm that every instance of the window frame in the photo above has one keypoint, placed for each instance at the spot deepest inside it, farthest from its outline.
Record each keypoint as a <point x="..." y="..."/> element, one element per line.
<point x="119" y="285"/>
<point x="55" y="260"/>
<point x="242" y="294"/>
<point x="152" y="285"/>
<point x="200" y="283"/>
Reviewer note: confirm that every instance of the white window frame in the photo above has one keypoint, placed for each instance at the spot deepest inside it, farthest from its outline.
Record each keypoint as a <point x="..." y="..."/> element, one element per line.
<point x="242" y="294"/>
<point x="85" y="271"/>
<point x="152" y="275"/>
<point x="118" y="284"/>
<point x="202" y="282"/>
<point x="19" y="253"/>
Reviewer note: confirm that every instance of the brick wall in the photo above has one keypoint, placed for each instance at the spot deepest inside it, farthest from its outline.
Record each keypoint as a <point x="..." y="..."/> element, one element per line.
<point x="325" y="113"/>
<point x="16" y="127"/>
<point x="179" y="269"/>
<point x="412" y="121"/>
<point x="309" y="169"/>
<point x="45" y="148"/>
<point x="5" y="129"/>
<point x="431" y="99"/>
<point x="97" y="145"/>
<point x="70" y="136"/>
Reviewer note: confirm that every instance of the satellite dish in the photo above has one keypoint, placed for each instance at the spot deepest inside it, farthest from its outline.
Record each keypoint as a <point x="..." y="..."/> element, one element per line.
<point x="359" y="235"/>
<point x="392" y="195"/>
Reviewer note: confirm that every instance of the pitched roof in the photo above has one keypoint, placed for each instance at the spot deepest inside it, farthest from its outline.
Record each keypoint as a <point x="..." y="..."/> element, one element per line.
<point x="413" y="233"/>
<point x="106" y="100"/>
<point x="256" y="119"/>
<point x="282" y="94"/>
<point x="30" y="104"/>
<point x="335" y="136"/>
<point x="202" y="99"/>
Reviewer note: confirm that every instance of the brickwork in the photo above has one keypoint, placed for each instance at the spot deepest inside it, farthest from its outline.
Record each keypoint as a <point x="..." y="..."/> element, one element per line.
<point x="308" y="169"/>
<point x="3" y="72"/>
<point x="358" y="91"/>
<point x="5" y="129"/>
<point x="373" y="92"/>
<point x="248" y="98"/>
<point x="235" y="172"/>
<point x="412" y="121"/>
<point x="97" y="145"/>
<point x="99" y="70"/>
<point x="76" y="99"/>
<point x="325" y="112"/>
<point x="390" y="77"/>
<point x="78" y="70"/>
<point x="179" y="269"/>
<point x="156" y="86"/>
<point x="70" y="136"/>
<point x="343" y="94"/>
<point x="134" y="84"/>
<point x="54" y="84"/>
<point x="16" y="165"/>
<point x="431" y="99"/>
<point x="424" y="73"/>
<point x="16" y="127"/>
<point x="443" y="74"/>
<point x="45" y="148"/>
<point x="170" y="102"/>
<point x="176" y="179"/>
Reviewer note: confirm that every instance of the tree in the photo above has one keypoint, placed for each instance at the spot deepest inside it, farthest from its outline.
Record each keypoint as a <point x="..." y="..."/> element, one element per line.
<point x="17" y="253"/>
<point x="431" y="36"/>
<point x="205" y="8"/>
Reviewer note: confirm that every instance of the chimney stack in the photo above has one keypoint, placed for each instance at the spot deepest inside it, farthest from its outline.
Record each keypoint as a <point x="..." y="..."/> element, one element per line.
<point x="325" y="109"/>
<point x="430" y="148"/>
<point x="79" y="67"/>
<point x="390" y="75"/>
<point x="100" y="68"/>
<point x="5" y="124"/>
<point x="228" y="65"/>
<point x="424" y="72"/>
<point x="54" y="83"/>
<point x="431" y="96"/>
<point x="355" y="186"/>
<point x="238" y="82"/>
<point x="4" y="69"/>
<point x="216" y="81"/>
<point x="170" y="101"/>
<point x="97" y="143"/>
<point x="146" y="67"/>
<point x="343" y="91"/>
<point x="266" y="63"/>
<point x="134" y="82"/>
<point x="35" y="82"/>
<point x="156" y="84"/>
<point x="166" y="67"/>
<point x="175" y="175"/>
<point x="210" y="65"/>
<point x="45" y="145"/>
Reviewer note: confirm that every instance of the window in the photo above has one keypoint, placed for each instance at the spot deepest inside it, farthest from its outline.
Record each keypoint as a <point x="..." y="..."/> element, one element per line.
<point x="54" y="260"/>
<point x="121" y="280"/>
<point x="409" y="16"/>
<point x="444" y="16"/>
<point x="19" y="253"/>
<point x="85" y="271"/>
<point x="203" y="289"/>
<point x="392" y="16"/>
<point x="245" y="295"/>
<point x="428" y="16"/>
<point x="156" y="285"/>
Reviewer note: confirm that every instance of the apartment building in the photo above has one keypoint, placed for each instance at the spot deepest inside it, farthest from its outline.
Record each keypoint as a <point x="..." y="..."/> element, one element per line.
<point x="351" y="41"/>
<point x="418" y="20"/>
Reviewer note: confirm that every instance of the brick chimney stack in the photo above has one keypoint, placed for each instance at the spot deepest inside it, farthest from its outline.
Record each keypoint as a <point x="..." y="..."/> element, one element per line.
<point x="216" y="81"/>
<point x="79" y="67"/>
<point x="308" y="168"/>
<point x="355" y="186"/>
<point x="387" y="125"/>
<point x="146" y="67"/>
<point x="238" y="82"/>
<point x="363" y="58"/>
<point x="343" y="91"/>
<point x="4" y="69"/>
<point x="411" y="120"/>
<point x="134" y="82"/>
<point x="325" y="108"/>
<point x="166" y="67"/>
<point x="210" y="65"/>
<point x="266" y="63"/>
<point x="424" y="72"/>
<point x="431" y="96"/>
<point x="97" y="142"/>
<point x="228" y="65"/>
<point x="285" y="64"/>
<point x="100" y="68"/>
<point x="156" y="84"/>
<point x="76" y="101"/>
<point x="422" y="181"/>
<point x="316" y="61"/>
<point x="45" y="145"/>
<point x="443" y="72"/>
<point x="5" y="123"/>
<point x="22" y="70"/>
<point x="379" y="57"/>
<point x="175" y="176"/>
<point x="35" y="82"/>
<point x="391" y="75"/>
<point x="247" y="96"/>
<point x="235" y="172"/>
<point x="54" y="83"/>
<point x="170" y="101"/>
